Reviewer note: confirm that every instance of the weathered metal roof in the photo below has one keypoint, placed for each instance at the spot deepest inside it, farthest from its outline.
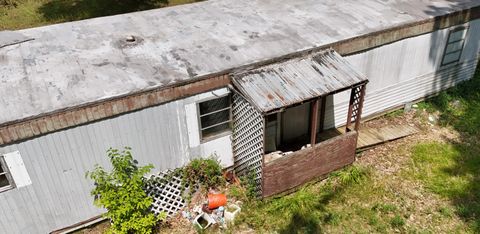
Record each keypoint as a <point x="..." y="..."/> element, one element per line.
<point x="89" y="61"/>
<point x="287" y="83"/>
<point x="11" y="38"/>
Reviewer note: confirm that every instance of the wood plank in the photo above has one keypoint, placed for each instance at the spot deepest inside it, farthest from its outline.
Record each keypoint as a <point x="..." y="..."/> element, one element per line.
<point x="290" y="171"/>
<point x="373" y="136"/>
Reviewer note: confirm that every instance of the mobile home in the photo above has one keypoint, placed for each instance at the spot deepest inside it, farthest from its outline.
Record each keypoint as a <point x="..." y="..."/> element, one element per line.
<point x="243" y="80"/>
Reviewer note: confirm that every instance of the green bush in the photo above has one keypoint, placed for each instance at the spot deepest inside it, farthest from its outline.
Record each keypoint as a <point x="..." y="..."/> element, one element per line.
<point x="121" y="193"/>
<point x="206" y="172"/>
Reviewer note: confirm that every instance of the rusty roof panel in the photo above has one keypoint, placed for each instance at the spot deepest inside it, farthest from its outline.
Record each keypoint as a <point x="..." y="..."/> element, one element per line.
<point x="293" y="81"/>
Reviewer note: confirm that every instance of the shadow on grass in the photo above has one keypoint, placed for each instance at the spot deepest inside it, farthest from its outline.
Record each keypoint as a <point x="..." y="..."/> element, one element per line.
<point x="467" y="200"/>
<point x="306" y="210"/>
<point x="69" y="10"/>
<point x="459" y="108"/>
<point x="302" y="223"/>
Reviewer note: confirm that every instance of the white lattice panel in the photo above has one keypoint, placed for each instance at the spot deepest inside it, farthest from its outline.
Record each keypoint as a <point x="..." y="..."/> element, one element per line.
<point x="166" y="193"/>
<point x="247" y="138"/>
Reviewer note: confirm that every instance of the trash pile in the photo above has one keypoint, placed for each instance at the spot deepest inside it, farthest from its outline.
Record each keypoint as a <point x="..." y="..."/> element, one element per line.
<point x="212" y="207"/>
<point x="188" y="202"/>
<point x="214" y="210"/>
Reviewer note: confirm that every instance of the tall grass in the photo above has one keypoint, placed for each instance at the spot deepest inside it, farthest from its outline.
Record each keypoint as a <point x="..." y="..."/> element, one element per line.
<point x="305" y="210"/>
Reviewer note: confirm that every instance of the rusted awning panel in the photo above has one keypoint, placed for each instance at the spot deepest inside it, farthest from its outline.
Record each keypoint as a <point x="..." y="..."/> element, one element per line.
<point x="294" y="81"/>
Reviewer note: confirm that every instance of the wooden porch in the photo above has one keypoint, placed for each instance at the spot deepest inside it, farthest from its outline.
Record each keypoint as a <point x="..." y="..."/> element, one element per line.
<point x="368" y="137"/>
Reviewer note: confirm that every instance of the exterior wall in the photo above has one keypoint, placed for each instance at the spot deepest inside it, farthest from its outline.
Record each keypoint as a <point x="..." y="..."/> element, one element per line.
<point x="405" y="71"/>
<point x="56" y="163"/>
<point x="304" y="165"/>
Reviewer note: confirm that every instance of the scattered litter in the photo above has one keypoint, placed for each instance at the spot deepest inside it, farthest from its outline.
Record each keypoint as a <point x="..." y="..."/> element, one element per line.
<point x="206" y="209"/>
<point x="230" y="212"/>
<point x="456" y="104"/>
<point x="187" y="215"/>
<point x="278" y="154"/>
<point x="306" y="146"/>
<point x="432" y="119"/>
<point x="216" y="200"/>
<point x="203" y="221"/>
<point x="197" y="209"/>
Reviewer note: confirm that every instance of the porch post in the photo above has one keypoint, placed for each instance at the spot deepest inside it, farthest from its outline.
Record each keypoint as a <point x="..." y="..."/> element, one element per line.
<point x="350" y="110"/>
<point x="360" y="107"/>
<point x="322" y="113"/>
<point x="313" y="122"/>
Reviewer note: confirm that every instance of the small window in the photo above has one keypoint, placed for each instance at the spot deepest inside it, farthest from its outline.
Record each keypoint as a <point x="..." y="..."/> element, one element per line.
<point x="6" y="181"/>
<point x="215" y="117"/>
<point x="454" y="46"/>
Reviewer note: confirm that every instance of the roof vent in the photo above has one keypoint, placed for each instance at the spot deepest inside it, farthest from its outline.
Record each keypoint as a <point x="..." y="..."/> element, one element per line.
<point x="128" y="41"/>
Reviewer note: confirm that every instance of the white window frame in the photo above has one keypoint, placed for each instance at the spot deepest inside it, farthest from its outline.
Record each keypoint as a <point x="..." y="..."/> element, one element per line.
<point x="460" y="50"/>
<point x="218" y="134"/>
<point x="6" y="172"/>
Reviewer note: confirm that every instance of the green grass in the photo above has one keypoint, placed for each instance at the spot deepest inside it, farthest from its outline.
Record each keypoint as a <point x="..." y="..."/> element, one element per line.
<point x="319" y="207"/>
<point x="459" y="106"/>
<point x="33" y="13"/>
<point x="452" y="171"/>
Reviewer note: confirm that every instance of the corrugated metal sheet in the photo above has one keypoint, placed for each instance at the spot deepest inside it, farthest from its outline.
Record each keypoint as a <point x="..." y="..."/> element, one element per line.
<point x="287" y="83"/>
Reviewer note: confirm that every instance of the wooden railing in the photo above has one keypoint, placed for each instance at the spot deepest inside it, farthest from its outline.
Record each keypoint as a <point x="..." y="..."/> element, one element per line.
<point x="292" y="170"/>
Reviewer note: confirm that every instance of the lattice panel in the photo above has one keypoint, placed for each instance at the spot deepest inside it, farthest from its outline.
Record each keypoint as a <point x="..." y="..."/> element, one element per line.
<point x="356" y="95"/>
<point x="247" y="139"/>
<point x="166" y="193"/>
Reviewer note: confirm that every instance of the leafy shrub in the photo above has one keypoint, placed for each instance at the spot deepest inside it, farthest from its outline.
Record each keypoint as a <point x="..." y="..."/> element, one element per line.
<point x="121" y="193"/>
<point x="206" y="172"/>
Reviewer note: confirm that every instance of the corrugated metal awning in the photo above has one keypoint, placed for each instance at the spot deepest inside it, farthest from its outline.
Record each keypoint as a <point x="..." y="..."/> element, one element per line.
<point x="294" y="81"/>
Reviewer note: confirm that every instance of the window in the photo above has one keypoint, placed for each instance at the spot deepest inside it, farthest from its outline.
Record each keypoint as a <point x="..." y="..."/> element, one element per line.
<point x="6" y="181"/>
<point x="214" y="116"/>
<point x="454" y="47"/>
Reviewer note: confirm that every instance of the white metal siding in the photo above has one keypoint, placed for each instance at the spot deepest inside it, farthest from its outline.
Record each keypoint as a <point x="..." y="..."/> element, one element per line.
<point x="60" y="194"/>
<point x="405" y="71"/>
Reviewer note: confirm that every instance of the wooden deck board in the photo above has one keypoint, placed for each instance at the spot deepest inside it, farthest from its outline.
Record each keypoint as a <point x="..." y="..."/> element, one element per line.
<point x="373" y="136"/>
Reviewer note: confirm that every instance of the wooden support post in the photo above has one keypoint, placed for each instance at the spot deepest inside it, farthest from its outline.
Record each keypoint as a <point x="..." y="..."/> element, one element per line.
<point x="313" y="122"/>
<point x="350" y="110"/>
<point x="360" y="107"/>
<point x="322" y="113"/>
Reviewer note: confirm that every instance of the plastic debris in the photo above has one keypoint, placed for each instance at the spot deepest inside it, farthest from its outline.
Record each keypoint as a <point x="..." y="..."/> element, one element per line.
<point x="203" y="221"/>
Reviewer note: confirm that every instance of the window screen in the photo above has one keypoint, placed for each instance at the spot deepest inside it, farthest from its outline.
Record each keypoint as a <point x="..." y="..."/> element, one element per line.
<point x="5" y="178"/>
<point x="214" y="116"/>
<point x="454" y="47"/>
